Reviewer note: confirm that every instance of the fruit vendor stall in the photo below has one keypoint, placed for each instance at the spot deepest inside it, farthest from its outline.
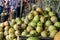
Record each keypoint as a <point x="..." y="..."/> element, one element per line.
<point x="37" y="20"/>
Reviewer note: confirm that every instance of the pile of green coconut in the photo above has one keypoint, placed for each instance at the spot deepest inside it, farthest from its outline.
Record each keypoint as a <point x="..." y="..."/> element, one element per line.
<point x="38" y="23"/>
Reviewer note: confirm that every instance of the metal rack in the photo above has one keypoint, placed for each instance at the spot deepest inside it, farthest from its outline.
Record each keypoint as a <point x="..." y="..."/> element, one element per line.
<point x="21" y="8"/>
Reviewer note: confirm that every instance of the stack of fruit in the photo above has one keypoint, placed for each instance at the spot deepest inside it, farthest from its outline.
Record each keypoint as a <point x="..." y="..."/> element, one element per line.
<point x="38" y="22"/>
<point x="4" y="16"/>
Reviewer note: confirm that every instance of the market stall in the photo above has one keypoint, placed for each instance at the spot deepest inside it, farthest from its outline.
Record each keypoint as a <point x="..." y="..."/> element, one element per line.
<point x="30" y="20"/>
